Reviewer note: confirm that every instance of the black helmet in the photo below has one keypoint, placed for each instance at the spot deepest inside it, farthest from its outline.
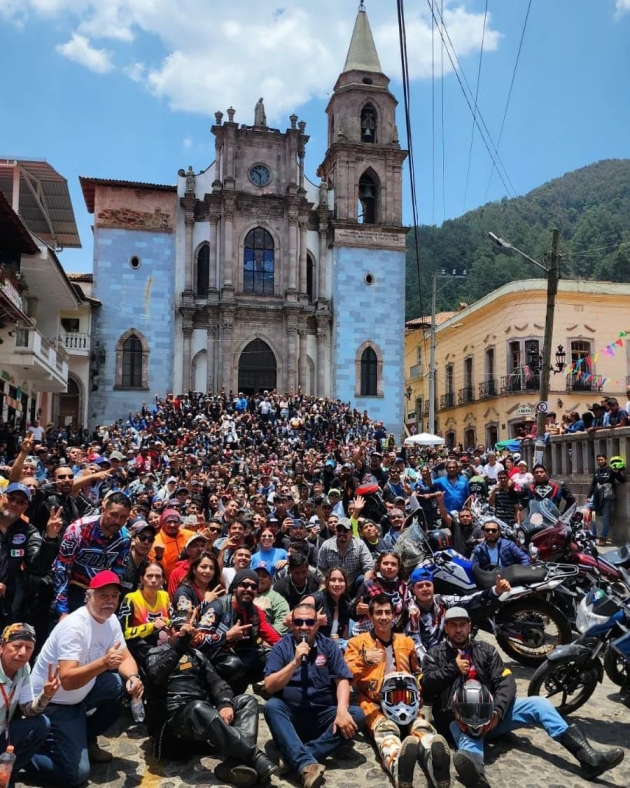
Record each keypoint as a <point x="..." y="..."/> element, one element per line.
<point x="473" y="706"/>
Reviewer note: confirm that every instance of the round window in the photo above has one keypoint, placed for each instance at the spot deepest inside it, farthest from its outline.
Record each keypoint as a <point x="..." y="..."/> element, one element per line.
<point x="134" y="262"/>
<point x="369" y="279"/>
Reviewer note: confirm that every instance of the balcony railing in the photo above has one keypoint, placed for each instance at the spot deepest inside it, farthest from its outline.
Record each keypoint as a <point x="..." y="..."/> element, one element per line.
<point x="465" y="395"/>
<point x="447" y="400"/>
<point x="488" y="388"/>
<point x="594" y="384"/>
<point x="76" y="342"/>
<point x="520" y="381"/>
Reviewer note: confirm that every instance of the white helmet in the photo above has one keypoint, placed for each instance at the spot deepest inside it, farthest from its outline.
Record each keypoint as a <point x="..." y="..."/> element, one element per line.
<point x="400" y="698"/>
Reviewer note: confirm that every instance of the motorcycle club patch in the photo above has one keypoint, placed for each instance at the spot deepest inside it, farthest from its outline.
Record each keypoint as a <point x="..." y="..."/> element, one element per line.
<point x="320" y="660"/>
<point x="19" y="539"/>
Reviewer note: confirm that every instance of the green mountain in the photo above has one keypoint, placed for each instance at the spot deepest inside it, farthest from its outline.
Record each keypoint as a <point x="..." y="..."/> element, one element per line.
<point x="590" y="207"/>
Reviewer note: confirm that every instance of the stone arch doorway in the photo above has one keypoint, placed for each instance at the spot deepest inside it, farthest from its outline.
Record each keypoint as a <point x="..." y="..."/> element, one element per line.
<point x="70" y="406"/>
<point x="257" y="368"/>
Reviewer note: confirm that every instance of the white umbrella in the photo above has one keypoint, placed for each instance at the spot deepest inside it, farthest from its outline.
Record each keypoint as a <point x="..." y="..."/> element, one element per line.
<point x="424" y="439"/>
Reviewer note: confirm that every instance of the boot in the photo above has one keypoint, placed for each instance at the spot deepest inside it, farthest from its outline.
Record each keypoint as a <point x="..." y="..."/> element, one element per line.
<point x="434" y="757"/>
<point x="236" y="774"/>
<point x="265" y="769"/>
<point x="593" y="762"/>
<point x="470" y="769"/>
<point x="406" y="762"/>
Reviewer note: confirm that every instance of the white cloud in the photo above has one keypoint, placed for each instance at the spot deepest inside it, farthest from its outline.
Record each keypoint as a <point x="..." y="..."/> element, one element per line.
<point x="187" y="143"/>
<point x="81" y="51"/>
<point x="622" y="7"/>
<point x="230" y="52"/>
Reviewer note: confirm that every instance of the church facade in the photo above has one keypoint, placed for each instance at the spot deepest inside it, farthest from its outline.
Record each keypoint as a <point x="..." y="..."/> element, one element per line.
<point x="262" y="279"/>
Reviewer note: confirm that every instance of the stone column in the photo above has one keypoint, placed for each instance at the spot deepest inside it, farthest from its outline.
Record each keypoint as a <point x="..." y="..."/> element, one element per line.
<point x="228" y="242"/>
<point x="323" y="251"/>
<point x="226" y="351"/>
<point x="293" y="250"/>
<point x="292" y="350"/>
<point x="187" y="330"/>
<point x="214" y="250"/>
<point x="303" y="360"/>
<point x="322" y="346"/>
<point x="189" y="220"/>
<point x="211" y="349"/>
<point x="303" y="227"/>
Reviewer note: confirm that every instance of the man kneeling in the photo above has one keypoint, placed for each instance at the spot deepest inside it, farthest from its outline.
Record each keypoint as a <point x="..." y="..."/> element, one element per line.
<point x="384" y="666"/>
<point x="189" y="702"/>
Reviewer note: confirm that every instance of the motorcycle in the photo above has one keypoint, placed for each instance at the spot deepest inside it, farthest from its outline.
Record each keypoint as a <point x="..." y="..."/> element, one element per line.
<point x="527" y="624"/>
<point x="571" y="673"/>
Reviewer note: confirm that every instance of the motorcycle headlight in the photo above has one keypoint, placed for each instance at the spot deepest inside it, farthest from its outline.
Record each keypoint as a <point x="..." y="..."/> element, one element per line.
<point x="521" y="536"/>
<point x="585" y="618"/>
<point x="533" y="552"/>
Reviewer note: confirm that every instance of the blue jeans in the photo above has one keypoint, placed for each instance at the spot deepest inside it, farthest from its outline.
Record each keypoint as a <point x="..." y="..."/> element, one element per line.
<point x="525" y="711"/>
<point x="28" y="737"/>
<point x="603" y="517"/>
<point x="64" y="760"/>
<point x="305" y="736"/>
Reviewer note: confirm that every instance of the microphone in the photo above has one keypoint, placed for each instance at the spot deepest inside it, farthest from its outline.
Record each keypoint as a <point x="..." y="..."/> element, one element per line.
<point x="304" y="639"/>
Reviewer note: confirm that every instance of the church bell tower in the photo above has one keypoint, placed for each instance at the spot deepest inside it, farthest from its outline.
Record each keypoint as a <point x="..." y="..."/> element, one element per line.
<point x="363" y="171"/>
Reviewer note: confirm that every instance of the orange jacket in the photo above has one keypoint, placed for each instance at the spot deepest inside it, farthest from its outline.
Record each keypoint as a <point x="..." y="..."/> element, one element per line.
<point x="173" y="547"/>
<point x="368" y="679"/>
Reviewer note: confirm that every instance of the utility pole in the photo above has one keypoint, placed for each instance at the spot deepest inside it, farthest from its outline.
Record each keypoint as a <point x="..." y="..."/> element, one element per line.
<point x="545" y="369"/>
<point x="431" y="429"/>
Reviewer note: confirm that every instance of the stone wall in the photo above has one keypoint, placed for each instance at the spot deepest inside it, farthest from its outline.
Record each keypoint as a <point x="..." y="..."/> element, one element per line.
<point x="370" y="313"/>
<point x="142" y="299"/>
<point x="571" y="458"/>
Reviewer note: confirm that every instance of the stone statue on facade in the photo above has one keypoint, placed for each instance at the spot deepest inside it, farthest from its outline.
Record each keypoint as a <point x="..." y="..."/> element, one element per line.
<point x="260" y="119"/>
<point x="190" y="180"/>
<point x="323" y="194"/>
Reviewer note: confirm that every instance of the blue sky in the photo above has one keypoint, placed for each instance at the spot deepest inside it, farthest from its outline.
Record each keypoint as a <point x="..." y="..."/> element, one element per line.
<point x="128" y="88"/>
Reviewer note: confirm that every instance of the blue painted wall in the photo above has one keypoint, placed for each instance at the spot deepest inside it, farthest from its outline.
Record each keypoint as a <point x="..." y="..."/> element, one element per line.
<point x="373" y="313"/>
<point x="141" y="298"/>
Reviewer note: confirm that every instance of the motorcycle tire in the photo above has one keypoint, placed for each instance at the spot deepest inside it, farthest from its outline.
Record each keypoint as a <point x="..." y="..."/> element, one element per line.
<point x="616" y="667"/>
<point x="555" y="679"/>
<point x="540" y="613"/>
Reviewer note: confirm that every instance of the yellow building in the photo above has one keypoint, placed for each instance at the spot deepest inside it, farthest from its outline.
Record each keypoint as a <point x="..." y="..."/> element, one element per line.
<point x="488" y="358"/>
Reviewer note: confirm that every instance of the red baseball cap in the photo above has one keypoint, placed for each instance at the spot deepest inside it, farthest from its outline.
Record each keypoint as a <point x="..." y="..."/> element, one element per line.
<point x="105" y="578"/>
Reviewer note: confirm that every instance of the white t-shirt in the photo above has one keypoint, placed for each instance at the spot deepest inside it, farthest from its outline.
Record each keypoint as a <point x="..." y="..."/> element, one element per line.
<point x="38" y="433"/>
<point x="18" y="690"/>
<point x="79" y="638"/>
<point x="492" y="471"/>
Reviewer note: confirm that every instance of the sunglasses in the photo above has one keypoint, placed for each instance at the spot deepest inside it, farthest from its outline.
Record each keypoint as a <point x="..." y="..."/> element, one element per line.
<point x="145" y="538"/>
<point x="491" y="530"/>
<point x="301" y="622"/>
<point x="249" y="586"/>
<point x="341" y="530"/>
<point x="65" y="476"/>
<point x="214" y="530"/>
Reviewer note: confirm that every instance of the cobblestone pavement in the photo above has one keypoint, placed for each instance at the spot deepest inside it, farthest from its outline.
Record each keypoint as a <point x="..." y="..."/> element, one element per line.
<point x="526" y="759"/>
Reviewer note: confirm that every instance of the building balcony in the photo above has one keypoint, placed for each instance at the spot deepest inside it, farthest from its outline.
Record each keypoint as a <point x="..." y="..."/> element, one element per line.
<point x="594" y="384"/>
<point x="465" y="395"/>
<point x="425" y="411"/>
<point x="76" y="343"/>
<point x="488" y="388"/>
<point x="520" y="381"/>
<point x="447" y="400"/>
<point x="35" y="359"/>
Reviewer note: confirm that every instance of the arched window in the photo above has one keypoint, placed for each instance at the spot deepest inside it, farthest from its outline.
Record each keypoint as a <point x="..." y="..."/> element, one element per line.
<point x="369" y="373"/>
<point x="258" y="264"/>
<point x="368" y="195"/>
<point x="132" y="361"/>
<point x="368" y="124"/>
<point x="203" y="271"/>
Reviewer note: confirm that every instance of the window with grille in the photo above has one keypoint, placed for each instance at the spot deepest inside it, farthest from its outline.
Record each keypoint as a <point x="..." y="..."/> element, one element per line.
<point x="259" y="262"/>
<point x="132" y="363"/>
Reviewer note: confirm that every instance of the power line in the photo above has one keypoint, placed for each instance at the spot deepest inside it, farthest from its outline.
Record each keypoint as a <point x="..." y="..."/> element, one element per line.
<point x="472" y="131"/>
<point x="509" y="96"/>
<point x="442" y="121"/>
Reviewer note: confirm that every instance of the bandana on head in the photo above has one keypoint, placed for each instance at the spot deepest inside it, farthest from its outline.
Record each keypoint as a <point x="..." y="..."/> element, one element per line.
<point x="17" y="632"/>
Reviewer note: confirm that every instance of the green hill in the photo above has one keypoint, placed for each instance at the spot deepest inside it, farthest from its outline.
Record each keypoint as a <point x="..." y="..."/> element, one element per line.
<point x="590" y="207"/>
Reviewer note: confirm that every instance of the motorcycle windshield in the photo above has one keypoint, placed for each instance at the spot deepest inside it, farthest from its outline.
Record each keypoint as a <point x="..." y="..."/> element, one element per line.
<point x="540" y="514"/>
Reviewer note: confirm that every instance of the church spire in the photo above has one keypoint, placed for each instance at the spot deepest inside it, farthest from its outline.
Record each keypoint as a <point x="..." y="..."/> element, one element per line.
<point x="362" y="54"/>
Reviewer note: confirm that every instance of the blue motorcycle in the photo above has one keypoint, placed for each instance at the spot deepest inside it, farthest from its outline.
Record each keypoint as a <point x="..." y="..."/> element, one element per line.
<point x="571" y="673"/>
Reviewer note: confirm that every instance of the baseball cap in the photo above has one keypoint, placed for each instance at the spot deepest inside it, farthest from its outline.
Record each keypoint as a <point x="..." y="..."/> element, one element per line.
<point x="344" y="522"/>
<point x="259" y="563"/>
<point x="105" y="578"/>
<point x="116" y="455"/>
<point x="421" y="573"/>
<point x="334" y="491"/>
<point x="456" y="612"/>
<point x="595" y="406"/>
<point x="171" y="479"/>
<point x="16" y="487"/>
<point x="181" y="488"/>
<point x="140" y="526"/>
<point x="194" y="538"/>
<point x="102" y="461"/>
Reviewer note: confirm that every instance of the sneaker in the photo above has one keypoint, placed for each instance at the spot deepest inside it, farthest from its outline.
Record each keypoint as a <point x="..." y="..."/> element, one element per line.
<point x="406" y="762"/>
<point x="242" y="776"/>
<point x="97" y="755"/>
<point x="313" y="775"/>
<point x="438" y="763"/>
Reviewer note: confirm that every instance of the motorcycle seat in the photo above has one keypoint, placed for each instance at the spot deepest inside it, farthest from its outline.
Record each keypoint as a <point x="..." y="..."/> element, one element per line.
<point x="518" y="575"/>
<point x="619" y="557"/>
<point x="484" y="578"/>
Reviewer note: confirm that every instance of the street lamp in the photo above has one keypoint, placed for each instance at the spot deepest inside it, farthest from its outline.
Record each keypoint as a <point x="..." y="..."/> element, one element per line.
<point x="535" y="361"/>
<point x="553" y="275"/>
<point x="408" y="392"/>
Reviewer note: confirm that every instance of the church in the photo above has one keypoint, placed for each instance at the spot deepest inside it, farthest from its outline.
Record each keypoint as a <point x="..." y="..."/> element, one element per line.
<point x="248" y="277"/>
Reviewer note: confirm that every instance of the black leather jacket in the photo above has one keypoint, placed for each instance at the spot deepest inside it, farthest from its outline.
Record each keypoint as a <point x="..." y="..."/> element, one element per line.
<point x="441" y="677"/>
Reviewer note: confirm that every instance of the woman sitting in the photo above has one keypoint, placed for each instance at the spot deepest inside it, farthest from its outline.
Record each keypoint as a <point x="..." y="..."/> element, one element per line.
<point x="389" y="579"/>
<point x="144" y="613"/>
<point x="267" y="555"/>
<point x="333" y="604"/>
<point x="202" y="583"/>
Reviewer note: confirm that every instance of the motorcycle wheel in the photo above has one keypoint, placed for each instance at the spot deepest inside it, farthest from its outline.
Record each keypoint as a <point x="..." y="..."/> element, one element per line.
<point x="616" y="667"/>
<point x="531" y="628"/>
<point x="565" y="684"/>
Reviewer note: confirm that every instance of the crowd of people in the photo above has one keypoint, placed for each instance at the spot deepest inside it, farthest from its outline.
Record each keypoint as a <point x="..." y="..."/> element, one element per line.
<point x="209" y="546"/>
